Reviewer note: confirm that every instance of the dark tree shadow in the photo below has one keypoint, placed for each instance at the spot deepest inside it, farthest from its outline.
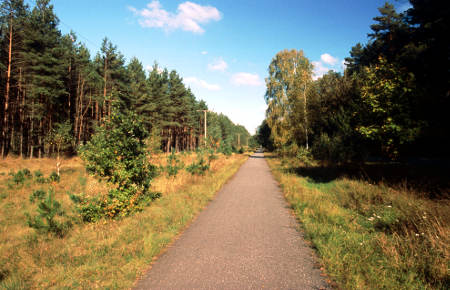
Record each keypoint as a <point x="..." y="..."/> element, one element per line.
<point x="428" y="180"/>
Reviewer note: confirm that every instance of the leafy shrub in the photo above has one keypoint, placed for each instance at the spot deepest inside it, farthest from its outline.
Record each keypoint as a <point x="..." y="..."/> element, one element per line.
<point x="241" y="150"/>
<point x="44" y="222"/>
<point x="174" y="164"/>
<point x="39" y="177"/>
<point x="117" y="153"/>
<point x="211" y="155"/>
<point x="20" y="176"/>
<point x="54" y="177"/>
<point x="198" y="167"/>
<point x="115" y="204"/>
<point x="26" y="172"/>
<point x="37" y="194"/>
<point x="304" y="155"/>
<point x="225" y="148"/>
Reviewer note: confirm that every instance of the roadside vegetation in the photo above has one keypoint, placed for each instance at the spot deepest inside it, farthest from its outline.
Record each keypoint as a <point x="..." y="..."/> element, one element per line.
<point x="109" y="253"/>
<point x="369" y="233"/>
<point x="363" y="155"/>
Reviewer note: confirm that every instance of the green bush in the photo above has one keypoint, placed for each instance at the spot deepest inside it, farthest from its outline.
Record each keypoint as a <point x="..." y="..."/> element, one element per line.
<point x="211" y="155"/>
<point x="26" y="172"/>
<point x="117" y="153"/>
<point x="174" y="164"/>
<point x="37" y="194"/>
<point x="45" y="221"/>
<point x="304" y="155"/>
<point x="19" y="177"/>
<point x="225" y="148"/>
<point x="198" y="167"/>
<point x="54" y="177"/>
<point x="39" y="177"/>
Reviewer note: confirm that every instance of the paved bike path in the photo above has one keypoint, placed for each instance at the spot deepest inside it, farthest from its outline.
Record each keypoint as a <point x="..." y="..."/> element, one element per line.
<point x="245" y="239"/>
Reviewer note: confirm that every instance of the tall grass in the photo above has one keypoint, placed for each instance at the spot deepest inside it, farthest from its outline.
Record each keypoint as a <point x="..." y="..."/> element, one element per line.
<point x="371" y="236"/>
<point x="107" y="254"/>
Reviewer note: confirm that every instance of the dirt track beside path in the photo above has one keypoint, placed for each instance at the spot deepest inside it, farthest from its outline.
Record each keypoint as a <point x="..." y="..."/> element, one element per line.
<point x="245" y="239"/>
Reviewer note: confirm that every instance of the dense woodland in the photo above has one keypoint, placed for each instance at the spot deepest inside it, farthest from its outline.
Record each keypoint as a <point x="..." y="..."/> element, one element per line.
<point x="50" y="84"/>
<point x="391" y="101"/>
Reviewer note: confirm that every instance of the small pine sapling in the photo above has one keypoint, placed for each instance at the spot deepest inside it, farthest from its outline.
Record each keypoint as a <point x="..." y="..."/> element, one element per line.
<point x="46" y="219"/>
<point x="174" y="164"/>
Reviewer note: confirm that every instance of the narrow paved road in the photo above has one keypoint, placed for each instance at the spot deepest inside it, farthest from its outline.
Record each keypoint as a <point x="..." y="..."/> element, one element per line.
<point x="245" y="239"/>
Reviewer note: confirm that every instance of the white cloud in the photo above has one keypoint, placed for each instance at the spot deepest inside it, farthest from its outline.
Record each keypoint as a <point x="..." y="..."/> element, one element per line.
<point x="319" y="69"/>
<point x="204" y="52"/>
<point x="328" y="59"/>
<point x="189" y="16"/>
<point x="246" y="79"/>
<point x="201" y="83"/>
<point x="150" y="68"/>
<point x="343" y="65"/>
<point x="403" y="7"/>
<point x="218" y="65"/>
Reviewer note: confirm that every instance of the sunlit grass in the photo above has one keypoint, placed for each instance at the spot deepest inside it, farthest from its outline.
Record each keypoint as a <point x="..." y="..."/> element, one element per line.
<point x="107" y="254"/>
<point x="371" y="236"/>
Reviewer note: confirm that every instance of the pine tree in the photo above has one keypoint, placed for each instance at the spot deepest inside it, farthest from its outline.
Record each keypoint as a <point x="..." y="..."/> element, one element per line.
<point x="43" y="72"/>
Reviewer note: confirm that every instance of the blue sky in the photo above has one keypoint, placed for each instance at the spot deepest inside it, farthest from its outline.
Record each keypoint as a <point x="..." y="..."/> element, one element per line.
<point x="222" y="49"/>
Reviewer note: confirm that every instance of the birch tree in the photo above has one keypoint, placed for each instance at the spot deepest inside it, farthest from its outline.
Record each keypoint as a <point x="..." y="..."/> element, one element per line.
<point x="290" y="73"/>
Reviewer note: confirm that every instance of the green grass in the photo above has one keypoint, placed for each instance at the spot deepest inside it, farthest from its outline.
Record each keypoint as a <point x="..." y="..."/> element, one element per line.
<point x="109" y="254"/>
<point x="369" y="236"/>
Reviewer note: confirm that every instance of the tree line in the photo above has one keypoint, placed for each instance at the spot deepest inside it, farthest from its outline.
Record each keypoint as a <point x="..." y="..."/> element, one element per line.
<point x="50" y="82"/>
<point x="390" y="101"/>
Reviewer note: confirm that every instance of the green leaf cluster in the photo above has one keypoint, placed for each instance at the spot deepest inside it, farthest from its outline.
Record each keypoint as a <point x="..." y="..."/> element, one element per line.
<point x="117" y="153"/>
<point x="199" y="166"/>
<point x="48" y="210"/>
<point x="174" y="164"/>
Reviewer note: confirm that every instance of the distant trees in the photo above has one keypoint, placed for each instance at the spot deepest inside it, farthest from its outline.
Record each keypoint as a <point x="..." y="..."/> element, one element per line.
<point x="390" y="101"/>
<point x="47" y="79"/>
<point x="290" y="73"/>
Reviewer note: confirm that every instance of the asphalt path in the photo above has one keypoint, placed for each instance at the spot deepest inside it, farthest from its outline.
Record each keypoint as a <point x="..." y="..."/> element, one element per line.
<point x="245" y="239"/>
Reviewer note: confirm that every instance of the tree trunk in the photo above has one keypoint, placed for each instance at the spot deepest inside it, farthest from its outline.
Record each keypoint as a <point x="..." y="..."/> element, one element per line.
<point x="177" y="140"/>
<point x="6" y="109"/>
<point x="31" y="137"/>
<point x="306" y="117"/>
<point x="97" y="115"/>
<point x="169" y="140"/>
<point x="104" y="87"/>
<point x="77" y="111"/>
<point x="41" y="128"/>
<point x="21" y="111"/>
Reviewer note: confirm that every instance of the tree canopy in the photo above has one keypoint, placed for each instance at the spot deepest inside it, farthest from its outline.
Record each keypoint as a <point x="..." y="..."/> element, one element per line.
<point x="48" y="79"/>
<point x="390" y="101"/>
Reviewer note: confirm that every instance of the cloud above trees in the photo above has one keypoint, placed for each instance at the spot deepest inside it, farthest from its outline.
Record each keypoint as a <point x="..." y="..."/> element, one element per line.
<point x="246" y="79"/>
<point x="189" y="16"/>
<point x="193" y="81"/>
<point x="326" y="63"/>
<point x="218" y="65"/>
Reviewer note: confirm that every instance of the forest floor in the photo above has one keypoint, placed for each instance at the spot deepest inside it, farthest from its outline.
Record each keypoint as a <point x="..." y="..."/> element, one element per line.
<point x="245" y="239"/>
<point x="108" y="254"/>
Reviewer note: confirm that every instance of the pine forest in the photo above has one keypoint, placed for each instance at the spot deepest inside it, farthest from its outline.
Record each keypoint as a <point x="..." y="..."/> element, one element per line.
<point x="50" y="83"/>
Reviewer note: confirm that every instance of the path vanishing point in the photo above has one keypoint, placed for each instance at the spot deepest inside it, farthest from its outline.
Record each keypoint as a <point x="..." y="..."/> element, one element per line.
<point x="245" y="239"/>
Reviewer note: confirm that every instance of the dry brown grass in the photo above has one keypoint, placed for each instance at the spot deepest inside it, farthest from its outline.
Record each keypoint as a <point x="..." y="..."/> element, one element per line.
<point x="107" y="254"/>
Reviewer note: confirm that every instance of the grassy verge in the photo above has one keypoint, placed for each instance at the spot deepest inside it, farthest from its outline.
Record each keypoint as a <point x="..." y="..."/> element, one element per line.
<point x="107" y="254"/>
<point x="370" y="236"/>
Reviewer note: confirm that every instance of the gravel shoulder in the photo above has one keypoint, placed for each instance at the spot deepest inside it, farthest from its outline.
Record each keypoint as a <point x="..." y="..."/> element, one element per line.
<point x="245" y="239"/>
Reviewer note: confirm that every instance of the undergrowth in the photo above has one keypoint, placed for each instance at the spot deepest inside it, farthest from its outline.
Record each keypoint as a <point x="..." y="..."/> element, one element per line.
<point x="370" y="236"/>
